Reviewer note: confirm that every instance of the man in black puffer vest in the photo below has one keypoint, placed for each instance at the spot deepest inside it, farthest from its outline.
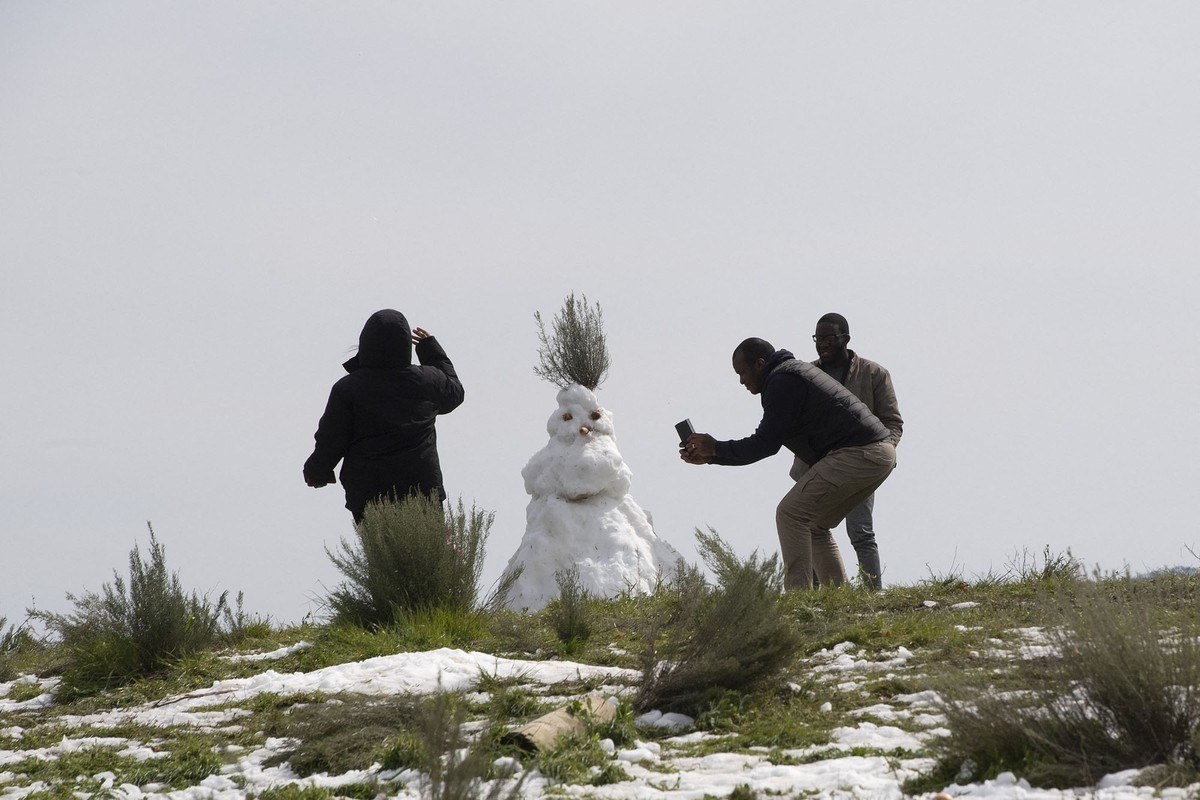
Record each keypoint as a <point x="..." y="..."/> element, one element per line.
<point x="379" y="421"/>
<point x="816" y="418"/>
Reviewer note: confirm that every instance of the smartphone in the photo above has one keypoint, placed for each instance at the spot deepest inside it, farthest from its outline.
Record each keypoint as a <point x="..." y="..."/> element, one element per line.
<point x="684" y="429"/>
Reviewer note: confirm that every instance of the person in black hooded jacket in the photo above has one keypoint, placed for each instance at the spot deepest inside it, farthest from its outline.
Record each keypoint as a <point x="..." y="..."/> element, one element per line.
<point x="379" y="421"/>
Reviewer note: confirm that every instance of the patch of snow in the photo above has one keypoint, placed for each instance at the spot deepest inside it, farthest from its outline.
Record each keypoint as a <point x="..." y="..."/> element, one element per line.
<point x="669" y="721"/>
<point x="274" y="655"/>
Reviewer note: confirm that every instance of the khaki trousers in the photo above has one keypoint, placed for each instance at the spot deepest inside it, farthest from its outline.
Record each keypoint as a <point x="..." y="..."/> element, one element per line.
<point x="820" y="500"/>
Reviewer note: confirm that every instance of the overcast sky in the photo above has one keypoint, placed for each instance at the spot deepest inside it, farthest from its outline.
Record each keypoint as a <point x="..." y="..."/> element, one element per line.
<point x="202" y="202"/>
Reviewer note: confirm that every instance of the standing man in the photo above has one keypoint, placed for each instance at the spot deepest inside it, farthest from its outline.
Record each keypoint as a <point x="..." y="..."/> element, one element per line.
<point x="872" y="384"/>
<point x="815" y="417"/>
<point x="379" y="420"/>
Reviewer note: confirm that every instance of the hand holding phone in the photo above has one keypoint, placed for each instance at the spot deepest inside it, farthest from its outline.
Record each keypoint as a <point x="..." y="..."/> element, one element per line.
<point x="684" y="429"/>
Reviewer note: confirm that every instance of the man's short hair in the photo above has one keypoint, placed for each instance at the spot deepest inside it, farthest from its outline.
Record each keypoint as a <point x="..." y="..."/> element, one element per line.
<point x="836" y="319"/>
<point x="753" y="349"/>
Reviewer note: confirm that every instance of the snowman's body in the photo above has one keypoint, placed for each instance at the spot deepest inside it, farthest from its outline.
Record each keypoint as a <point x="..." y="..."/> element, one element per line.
<point x="580" y="513"/>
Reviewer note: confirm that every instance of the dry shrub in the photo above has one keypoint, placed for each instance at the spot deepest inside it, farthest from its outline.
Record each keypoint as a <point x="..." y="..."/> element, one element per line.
<point x="734" y="636"/>
<point x="454" y="767"/>
<point x="344" y="734"/>
<point x="1121" y="693"/>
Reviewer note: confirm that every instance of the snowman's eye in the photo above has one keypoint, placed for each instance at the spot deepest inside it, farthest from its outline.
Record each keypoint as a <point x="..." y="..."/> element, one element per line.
<point x="596" y="414"/>
<point x="567" y="417"/>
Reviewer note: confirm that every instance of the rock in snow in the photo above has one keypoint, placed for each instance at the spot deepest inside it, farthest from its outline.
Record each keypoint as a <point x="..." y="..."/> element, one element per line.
<point x="580" y="513"/>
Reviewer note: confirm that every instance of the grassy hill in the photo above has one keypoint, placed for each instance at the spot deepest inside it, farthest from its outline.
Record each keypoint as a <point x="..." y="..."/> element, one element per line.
<point x="1043" y="672"/>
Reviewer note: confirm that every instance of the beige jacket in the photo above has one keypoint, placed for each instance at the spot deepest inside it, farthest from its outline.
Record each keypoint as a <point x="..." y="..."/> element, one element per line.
<point x="872" y="384"/>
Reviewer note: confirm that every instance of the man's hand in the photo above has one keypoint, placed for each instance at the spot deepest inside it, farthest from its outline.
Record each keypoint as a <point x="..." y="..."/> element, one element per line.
<point x="317" y="481"/>
<point x="420" y="334"/>
<point x="700" y="448"/>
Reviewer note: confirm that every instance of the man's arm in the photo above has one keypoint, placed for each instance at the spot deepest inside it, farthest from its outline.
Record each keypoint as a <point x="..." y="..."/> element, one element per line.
<point x="448" y="391"/>
<point x="782" y="400"/>
<point x="886" y="407"/>
<point x="332" y="440"/>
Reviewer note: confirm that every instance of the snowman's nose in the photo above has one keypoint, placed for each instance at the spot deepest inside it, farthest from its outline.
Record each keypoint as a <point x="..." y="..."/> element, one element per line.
<point x="584" y="430"/>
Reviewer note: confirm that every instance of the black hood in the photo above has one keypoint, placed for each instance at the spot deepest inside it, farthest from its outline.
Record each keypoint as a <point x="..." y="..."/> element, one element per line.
<point x="775" y="360"/>
<point x="385" y="341"/>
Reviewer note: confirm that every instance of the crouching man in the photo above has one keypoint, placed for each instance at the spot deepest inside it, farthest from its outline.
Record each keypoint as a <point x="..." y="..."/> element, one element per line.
<point x="814" y="416"/>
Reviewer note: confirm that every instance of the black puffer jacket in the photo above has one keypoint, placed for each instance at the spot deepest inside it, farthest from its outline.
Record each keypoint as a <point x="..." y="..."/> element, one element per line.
<point x="804" y="410"/>
<point x="379" y="420"/>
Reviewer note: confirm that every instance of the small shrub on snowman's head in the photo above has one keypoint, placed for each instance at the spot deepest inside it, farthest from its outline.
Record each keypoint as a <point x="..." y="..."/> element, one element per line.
<point x="576" y="350"/>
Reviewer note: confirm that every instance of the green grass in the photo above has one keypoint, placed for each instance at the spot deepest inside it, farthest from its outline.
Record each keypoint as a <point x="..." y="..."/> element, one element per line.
<point x="343" y="733"/>
<point x="185" y="763"/>
<point x="1112" y="624"/>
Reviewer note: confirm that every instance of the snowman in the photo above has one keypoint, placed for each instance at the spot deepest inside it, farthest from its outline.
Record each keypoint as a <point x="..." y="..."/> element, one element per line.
<point x="580" y="513"/>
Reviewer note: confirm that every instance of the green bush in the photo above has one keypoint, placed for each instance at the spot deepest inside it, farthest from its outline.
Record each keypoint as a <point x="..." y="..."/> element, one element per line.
<point x="410" y="555"/>
<point x="1117" y="694"/>
<point x="12" y="641"/>
<point x="129" y="631"/>
<point x="577" y="350"/>
<point x="568" y="612"/>
<point x="713" y="640"/>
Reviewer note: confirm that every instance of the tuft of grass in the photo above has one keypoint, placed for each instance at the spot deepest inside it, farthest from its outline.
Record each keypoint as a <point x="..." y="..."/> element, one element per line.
<point x="507" y="703"/>
<point x="410" y="555"/>
<point x="732" y="637"/>
<point x="241" y="625"/>
<point x="426" y="629"/>
<point x="342" y="642"/>
<point x="1053" y="567"/>
<point x="781" y="718"/>
<point x="580" y="759"/>
<point x="576" y="351"/>
<point x="342" y="734"/>
<point x="568" y="613"/>
<point x="519" y="634"/>
<point x="16" y="641"/>
<point x="132" y="630"/>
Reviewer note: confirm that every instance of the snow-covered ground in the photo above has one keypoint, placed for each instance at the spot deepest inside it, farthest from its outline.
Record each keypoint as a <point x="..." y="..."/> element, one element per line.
<point x="658" y="769"/>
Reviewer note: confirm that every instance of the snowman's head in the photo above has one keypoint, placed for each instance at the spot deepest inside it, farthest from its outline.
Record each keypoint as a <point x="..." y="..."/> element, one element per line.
<point x="579" y="417"/>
